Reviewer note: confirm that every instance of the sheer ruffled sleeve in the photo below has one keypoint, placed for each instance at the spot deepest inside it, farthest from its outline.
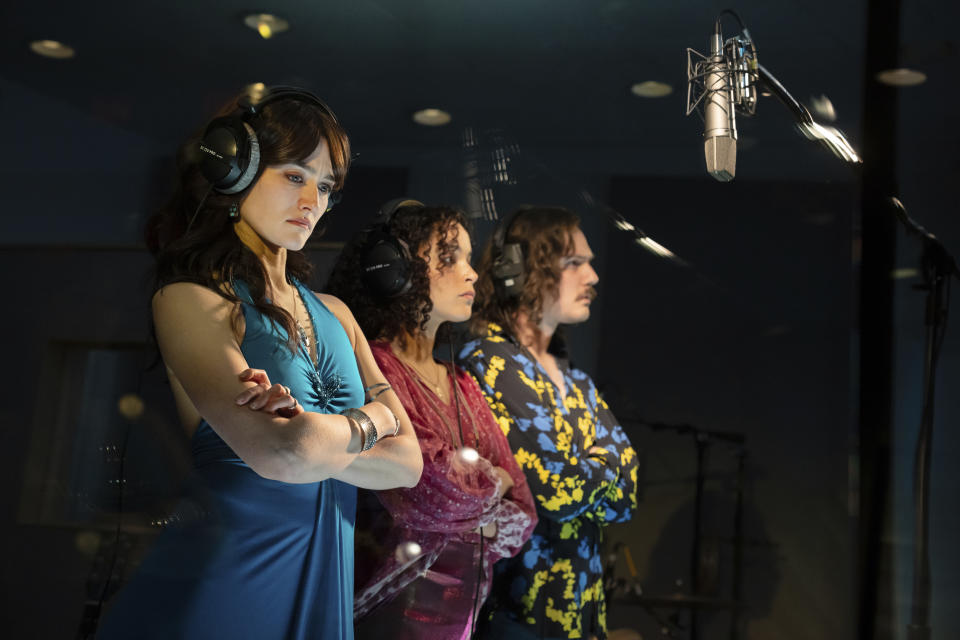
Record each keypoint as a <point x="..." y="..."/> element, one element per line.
<point x="516" y="513"/>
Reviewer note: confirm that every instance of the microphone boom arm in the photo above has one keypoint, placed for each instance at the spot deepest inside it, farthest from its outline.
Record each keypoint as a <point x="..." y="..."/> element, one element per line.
<point x="829" y="137"/>
<point x="799" y="111"/>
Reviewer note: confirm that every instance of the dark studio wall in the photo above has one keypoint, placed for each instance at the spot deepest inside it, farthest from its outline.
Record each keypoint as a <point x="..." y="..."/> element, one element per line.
<point x="752" y="337"/>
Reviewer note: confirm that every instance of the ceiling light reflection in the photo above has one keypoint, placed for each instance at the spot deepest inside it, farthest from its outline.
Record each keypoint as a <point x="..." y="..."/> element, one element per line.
<point x="266" y="24"/>
<point x="655" y="247"/>
<point x="431" y="117"/>
<point x="52" y="49"/>
<point x="255" y="91"/>
<point x="407" y="551"/>
<point x="823" y="107"/>
<point x="651" y="89"/>
<point x="905" y="273"/>
<point x="832" y="139"/>
<point x="901" y="77"/>
<point x="468" y="455"/>
<point x="130" y="406"/>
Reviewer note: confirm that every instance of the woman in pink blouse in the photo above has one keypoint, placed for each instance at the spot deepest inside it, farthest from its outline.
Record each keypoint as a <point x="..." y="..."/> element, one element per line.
<point x="432" y="558"/>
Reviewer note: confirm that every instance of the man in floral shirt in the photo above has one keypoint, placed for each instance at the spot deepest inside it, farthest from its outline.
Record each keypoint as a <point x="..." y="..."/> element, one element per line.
<point x="534" y="277"/>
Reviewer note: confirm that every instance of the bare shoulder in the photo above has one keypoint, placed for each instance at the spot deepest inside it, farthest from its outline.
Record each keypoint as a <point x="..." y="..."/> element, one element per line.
<point x="188" y="294"/>
<point x="342" y="312"/>
<point x="187" y="304"/>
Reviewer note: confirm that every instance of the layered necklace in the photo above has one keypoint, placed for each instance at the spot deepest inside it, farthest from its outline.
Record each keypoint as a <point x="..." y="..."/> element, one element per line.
<point x="456" y="436"/>
<point x="435" y="385"/>
<point x="304" y="338"/>
<point x="323" y="390"/>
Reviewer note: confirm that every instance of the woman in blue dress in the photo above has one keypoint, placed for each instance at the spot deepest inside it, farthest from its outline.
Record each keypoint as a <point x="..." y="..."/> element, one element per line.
<point x="262" y="545"/>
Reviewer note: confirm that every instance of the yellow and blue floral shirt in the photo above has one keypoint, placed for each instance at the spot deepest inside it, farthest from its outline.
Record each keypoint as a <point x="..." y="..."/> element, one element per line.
<point x="555" y="584"/>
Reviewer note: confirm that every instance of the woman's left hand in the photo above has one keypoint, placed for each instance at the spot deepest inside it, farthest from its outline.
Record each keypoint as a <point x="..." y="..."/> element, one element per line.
<point x="264" y="396"/>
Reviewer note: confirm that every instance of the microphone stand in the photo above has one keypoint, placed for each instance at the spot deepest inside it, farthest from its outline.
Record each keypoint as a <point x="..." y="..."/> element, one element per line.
<point x="938" y="266"/>
<point x="702" y="439"/>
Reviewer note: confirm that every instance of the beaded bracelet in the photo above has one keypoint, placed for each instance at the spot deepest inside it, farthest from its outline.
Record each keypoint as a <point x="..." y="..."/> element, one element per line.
<point x="367" y="390"/>
<point x="386" y="387"/>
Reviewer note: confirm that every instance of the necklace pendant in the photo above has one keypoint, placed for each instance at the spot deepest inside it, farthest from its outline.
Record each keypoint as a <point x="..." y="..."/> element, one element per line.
<point x="304" y="339"/>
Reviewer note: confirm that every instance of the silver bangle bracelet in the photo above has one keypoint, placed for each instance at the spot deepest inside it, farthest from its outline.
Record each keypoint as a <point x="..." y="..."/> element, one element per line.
<point x="396" y="420"/>
<point x="368" y="430"/>
<point x="396" y="428"/>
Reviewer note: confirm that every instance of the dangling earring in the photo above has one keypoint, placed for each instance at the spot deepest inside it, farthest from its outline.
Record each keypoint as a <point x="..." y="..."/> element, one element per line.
<point x="234" y="211"/>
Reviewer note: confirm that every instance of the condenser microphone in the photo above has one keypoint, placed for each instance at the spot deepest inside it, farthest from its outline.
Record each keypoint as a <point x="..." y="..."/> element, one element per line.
<point x="720" y="127"/>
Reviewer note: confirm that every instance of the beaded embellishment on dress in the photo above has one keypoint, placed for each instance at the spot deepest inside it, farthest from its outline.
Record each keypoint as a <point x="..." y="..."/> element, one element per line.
<point x="323" y="390"/>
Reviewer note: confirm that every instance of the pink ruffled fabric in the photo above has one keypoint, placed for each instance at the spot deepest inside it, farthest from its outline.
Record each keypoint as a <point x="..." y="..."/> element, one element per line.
<point x="441" y="515"/>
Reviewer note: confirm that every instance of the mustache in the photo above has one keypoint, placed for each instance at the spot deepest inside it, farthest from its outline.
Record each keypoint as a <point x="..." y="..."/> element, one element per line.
<point x="591" y="292"/>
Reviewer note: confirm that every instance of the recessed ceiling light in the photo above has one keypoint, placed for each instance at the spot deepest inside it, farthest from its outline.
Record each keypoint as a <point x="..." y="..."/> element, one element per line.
<point x="651" y="89"/>
<point x="52" y="49"/>
<point x="902" y="77"/>
<point x="431" y="117"/>
<point x="255" y="91"/>
<point x="266" y="24"/>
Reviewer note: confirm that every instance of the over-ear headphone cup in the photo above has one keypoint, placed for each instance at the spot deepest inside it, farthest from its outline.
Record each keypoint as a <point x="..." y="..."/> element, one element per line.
<point x="385" y="267"/>
<point x="507" y="270"/>
<point x="229" y="154"/>
<point x="253" y="163"/>
<point x="385" y="259"/>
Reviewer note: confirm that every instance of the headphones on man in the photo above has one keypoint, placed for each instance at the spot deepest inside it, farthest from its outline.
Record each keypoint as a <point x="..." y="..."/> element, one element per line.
<point x="507" y="267"/>
<point x="384" y="258"/>
<point x="229" y="149"/>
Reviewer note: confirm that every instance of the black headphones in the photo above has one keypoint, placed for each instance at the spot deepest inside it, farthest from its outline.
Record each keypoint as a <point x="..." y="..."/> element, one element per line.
<point x="507" y="268"/>
<point x="229" y="149"/>
<point x="384" y="258"/>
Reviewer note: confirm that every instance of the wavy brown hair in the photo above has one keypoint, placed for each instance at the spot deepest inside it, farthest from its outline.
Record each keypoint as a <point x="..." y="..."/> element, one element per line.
<point x="546" y="235"/>
<point x="406" y="315"/>
<point x="192" y="236"/>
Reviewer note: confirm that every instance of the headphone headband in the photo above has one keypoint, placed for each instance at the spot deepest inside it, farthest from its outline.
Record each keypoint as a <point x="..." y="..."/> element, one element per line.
<point x="248" y="108"/>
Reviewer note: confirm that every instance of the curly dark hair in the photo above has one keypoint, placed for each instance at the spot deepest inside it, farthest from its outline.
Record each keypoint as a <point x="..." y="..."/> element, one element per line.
<point x="406" y="315"/>
<point x="545" y="234"/>
<point x="208" y="252"/>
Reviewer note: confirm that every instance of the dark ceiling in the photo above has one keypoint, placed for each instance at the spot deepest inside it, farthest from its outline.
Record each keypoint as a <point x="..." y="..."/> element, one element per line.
<point x="553" y="73"/>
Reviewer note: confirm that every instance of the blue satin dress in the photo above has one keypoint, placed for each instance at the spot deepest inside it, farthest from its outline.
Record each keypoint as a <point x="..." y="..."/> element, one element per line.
<point x="247" y="557"/>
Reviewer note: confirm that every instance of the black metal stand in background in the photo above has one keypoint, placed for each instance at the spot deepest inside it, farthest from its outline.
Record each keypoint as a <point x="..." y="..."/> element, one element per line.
<point x="702" y="439"/>
<point x="938" y="266"/>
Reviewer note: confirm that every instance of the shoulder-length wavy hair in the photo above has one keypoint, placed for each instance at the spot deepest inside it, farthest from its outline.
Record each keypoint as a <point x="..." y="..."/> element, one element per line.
<point x="546" y="235"/>
<point x="192" y="236"/>
<point x="406" y="315"/>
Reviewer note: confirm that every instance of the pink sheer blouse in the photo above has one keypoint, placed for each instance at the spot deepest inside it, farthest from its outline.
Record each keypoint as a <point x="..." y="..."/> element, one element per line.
<point x="426" y="574"/>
